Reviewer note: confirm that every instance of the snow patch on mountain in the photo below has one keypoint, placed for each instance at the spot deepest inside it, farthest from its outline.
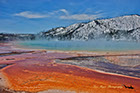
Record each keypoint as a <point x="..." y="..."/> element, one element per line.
<point x="119" y="28"/>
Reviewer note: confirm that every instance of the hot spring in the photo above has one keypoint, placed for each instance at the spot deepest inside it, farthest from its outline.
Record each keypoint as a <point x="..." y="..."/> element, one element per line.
<point x="92" y="45"/>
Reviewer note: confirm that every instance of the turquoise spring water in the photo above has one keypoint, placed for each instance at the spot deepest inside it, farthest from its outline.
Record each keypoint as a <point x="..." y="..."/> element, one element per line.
<point x="93" y="45"/>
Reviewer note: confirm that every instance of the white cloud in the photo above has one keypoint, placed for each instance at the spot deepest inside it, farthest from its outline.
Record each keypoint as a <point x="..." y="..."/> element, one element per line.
<point x="58" y="11"/>
<point x="65" y="11"/>
<point x="28" y="14"/>
<point x="80" y="17"/>
<point x="61" y="13"/>
<point x="99" y="11"/>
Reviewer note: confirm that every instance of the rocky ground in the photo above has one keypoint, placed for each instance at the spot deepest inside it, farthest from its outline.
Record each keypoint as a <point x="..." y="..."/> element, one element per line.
<point x="42" y="71"/>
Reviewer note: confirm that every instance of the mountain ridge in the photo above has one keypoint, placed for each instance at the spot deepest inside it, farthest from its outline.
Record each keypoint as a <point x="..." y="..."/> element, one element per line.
<point x="119" y="28"/>
<point x="124" y="27"/>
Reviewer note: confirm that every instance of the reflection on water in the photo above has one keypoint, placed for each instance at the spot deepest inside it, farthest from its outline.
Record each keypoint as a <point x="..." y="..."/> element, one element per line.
<point x="93" y="45"/>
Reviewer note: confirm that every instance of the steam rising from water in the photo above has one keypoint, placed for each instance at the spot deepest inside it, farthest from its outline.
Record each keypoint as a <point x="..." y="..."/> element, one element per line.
<point x="93" y="45"/>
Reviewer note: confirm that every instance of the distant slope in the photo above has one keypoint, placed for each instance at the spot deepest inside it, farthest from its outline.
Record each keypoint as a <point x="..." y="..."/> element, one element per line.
<point x="119" y="28"/>
<point x="11" y="37"/>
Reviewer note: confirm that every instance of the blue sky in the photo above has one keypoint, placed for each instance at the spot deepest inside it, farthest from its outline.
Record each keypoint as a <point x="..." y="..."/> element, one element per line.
<point x="33" y="16"/>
